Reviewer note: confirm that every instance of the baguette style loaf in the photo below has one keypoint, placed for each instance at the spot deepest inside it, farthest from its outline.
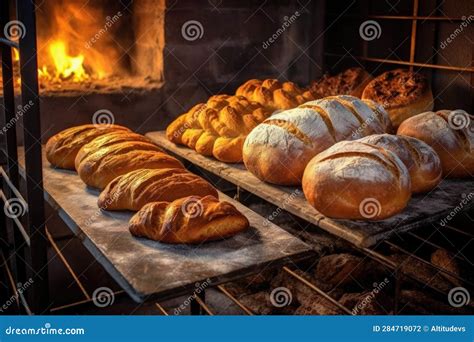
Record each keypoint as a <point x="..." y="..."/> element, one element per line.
<point x="421" y="160"/>
<point x="133" y="190"/>
<point x="450" y="134"/>
<point x="218" y="128"/>
<point x="62" y="148"/>
<point x="353" y="180"/>
<point x="99" y="168"/>
<point x="403" y="94"/>
<point x="278" y="150"/>
<point x="188" y="220"/>
<point x="274" y="94"/>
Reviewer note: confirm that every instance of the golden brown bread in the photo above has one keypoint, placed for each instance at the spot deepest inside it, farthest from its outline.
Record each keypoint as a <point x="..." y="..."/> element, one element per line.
<point x="188" y="220"/>
<point x="108" y="140"/>
<point x="450" y="134"/>
<point x="62" y="148"/>
<point x="402" y="93"/>
<point x="218" y="127"/>
<point x="274" y="94"/>
<point x="353" y="180"/>
<point x="421" y="160"/>
<point x="133" y="190"/>
<point x="278" y="150"/>
<point x="99" y="168"/>
<point x="351" y="81"/>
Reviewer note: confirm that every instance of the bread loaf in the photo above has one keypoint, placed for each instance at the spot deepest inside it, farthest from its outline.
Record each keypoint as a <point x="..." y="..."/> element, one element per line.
<point x="353" y="180"/>
<point x="450" y="134"/>
<point x="274" y="94"/>
<point x="133" y="190"/>
<point x="218" y="128"/>
<point x="106" y="140"/>
<point x="188" y="220"/>
<point x="349" y="82"/>
<point x="402" y="93"/>
<point x="62" y="148"/>
<point x="98" y="168"/>
<point x="278" y="150"/>
<point x="421" y="160"/>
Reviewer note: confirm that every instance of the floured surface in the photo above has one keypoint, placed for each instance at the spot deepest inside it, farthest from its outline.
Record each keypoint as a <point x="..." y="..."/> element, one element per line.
<point x="421" y="210"/>
<point x="144" y="267"/>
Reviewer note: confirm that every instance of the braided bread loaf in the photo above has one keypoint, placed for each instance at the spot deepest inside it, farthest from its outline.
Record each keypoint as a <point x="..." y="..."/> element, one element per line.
<point x="131" y="191"/>
<point x="188" y="220"/>
<point x="218" y="127"/>
<point x="62" y="148"/>
<point x="288" y="140"/>
<point x="274" y="94"/>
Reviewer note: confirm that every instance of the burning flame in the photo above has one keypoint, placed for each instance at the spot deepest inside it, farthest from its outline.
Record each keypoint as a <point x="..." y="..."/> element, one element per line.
<point x="66" y="66"/>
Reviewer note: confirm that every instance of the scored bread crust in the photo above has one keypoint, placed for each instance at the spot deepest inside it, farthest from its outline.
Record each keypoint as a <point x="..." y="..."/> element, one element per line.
<point x="274" y="94"/>
<point x="133" y="190"/>
<point x="353" y="180"/>
<point x="62" y="148"/>
<point x="101" y="166"/>
<point x="403" y="94"/>
<point x="107" y="140"/>
<point x="188" y="220"/>
<point x="351" y="81"/>
<point x="454" y="145"/>
<point x="278" y="150"/>
<point x="421" y="160"/>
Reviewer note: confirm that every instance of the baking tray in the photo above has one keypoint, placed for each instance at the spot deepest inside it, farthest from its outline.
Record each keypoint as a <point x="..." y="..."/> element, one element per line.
<point x="449" y="197"/>
<point x="145" y="268"/>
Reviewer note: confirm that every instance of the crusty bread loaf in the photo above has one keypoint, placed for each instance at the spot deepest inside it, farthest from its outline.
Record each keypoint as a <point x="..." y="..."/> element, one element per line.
<point x="101" y="166"/>
<point x="278" y="150"/>
<point x="450" y="134"/>
<point x="353" y="180"/>
<point x="188" y="220"/>
<point x="106" y="140"/>
<point x="62" y="148"/>
<point x="421" y="160"/>
<point x="218" y="128"/>
<point x="274" y="94"/>
<point x="133" y="190"/>
<point x="402" y="93"/>
<point x="351" y="81"/>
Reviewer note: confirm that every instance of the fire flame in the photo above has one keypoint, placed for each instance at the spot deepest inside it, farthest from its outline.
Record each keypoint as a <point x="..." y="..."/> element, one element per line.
<point x="66" y="66"/>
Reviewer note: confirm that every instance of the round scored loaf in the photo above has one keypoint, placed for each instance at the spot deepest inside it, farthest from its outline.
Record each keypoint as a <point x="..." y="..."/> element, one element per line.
<point x="133" y="190"/>
<point x="278" y="150"/>
<point x="421" y="160"/>
<point x="402" y="93"/>
<point x="450" y="134"/>
<point x="188" y="220"/>
<point x="353" y="180"/>
<point x="62" y="148"/>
